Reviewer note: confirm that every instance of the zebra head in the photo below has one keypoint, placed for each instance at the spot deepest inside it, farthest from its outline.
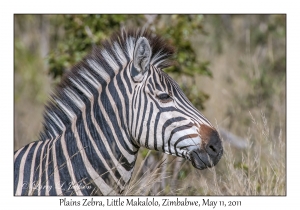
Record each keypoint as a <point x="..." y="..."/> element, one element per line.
<point x="163" y="118"/>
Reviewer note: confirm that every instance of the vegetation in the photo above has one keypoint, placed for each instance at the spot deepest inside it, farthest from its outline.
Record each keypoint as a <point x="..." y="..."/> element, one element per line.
<point x="232" y="67"/>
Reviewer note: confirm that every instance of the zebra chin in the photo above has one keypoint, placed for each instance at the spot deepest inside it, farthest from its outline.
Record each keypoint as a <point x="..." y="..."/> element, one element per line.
<point x="210" y="152"/>
<point x="201" y="159"/>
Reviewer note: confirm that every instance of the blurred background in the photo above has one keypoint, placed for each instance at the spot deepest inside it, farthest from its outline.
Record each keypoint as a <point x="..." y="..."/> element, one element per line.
<point x="231" y="67"/>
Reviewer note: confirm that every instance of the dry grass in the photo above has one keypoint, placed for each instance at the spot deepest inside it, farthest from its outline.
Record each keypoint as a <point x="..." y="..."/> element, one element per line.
<point x="144" y="181"/>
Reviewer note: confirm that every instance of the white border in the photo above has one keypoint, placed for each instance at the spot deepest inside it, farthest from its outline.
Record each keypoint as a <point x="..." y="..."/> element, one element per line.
<point x="8" y="8"/>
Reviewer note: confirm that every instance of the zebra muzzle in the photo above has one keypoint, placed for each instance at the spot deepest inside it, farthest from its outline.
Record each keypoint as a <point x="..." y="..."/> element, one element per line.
<point x="210" y="152"/>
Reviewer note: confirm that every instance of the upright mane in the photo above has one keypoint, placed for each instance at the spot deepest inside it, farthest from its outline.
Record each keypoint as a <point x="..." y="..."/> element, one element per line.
<point x="95" y="71"/>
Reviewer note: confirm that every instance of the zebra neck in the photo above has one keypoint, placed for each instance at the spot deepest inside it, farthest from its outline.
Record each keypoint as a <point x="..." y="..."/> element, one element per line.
<point x="101" y="139"/>
<point x="99" y="130"/>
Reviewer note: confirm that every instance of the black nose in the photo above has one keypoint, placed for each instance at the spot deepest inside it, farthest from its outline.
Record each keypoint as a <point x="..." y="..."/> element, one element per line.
<point x="210" y="151"/>
<point x="214" y="147"/>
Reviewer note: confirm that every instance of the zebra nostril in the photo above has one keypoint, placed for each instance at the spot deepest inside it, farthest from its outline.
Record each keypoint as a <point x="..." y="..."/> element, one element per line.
<point x="212" y="148"/>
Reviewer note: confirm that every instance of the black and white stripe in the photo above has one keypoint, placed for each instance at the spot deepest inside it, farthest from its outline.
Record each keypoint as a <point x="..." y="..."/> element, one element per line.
<point x="115" y="101"/>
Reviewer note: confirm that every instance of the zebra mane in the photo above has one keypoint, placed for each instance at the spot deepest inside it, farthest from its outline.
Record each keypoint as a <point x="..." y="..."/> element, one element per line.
<point x="102" y="63"/>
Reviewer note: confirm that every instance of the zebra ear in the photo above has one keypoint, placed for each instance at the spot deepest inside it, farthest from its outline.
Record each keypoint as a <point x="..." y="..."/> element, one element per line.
<point x="141" y="59"/>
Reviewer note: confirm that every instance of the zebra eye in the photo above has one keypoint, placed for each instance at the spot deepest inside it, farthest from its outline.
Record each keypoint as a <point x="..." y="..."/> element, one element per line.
<point x="164" y="97"/>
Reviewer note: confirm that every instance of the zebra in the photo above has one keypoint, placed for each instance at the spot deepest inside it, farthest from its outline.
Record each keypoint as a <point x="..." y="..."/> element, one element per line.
<point x="116" y="100"/>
